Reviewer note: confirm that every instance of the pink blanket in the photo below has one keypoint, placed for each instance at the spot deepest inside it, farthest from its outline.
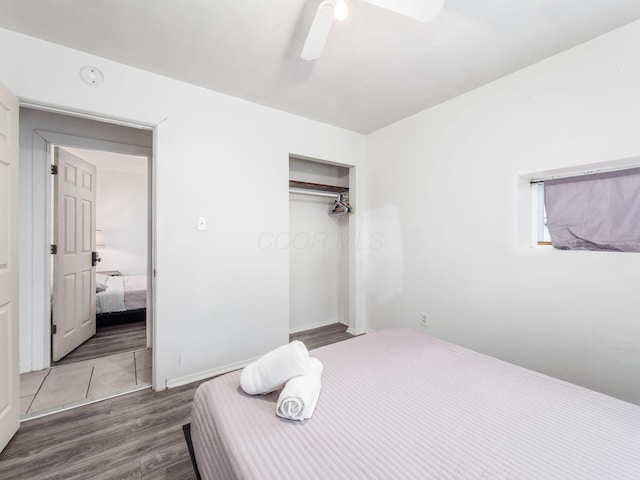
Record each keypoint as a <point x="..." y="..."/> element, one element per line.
<point x="398" y="404"/>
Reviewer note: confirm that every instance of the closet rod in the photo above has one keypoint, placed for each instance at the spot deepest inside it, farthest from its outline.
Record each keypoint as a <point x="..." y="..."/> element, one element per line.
<point x="318" y="187"/>
<point x="312" y="192"/>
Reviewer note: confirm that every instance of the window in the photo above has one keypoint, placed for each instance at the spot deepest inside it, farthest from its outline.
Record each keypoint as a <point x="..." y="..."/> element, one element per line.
<point x="591" y="212"/>
<point x="544" y="238"/>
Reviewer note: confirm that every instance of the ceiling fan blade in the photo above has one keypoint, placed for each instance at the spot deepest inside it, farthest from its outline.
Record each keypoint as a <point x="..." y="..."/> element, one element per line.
<point x="319" y="31"/>
<point x="422" y="10"/>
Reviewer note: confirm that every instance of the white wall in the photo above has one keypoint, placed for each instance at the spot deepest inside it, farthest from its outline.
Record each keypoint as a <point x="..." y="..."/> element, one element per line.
<point x="220" y="298"/>
<point x="121" y="214"/>
<point x="443" y="190"/>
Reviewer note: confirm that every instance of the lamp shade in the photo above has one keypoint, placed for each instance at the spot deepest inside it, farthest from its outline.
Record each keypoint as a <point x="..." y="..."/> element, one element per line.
<point x="99" y="238"/>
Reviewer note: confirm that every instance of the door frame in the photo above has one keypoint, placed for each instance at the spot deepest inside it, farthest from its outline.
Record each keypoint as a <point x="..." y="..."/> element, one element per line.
<point x="42" y="143"/>
<point x="356" y="324"/>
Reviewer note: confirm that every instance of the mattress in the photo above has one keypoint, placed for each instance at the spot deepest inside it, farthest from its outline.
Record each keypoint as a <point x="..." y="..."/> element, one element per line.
<point x="135" y="292"/>
<point x="122" y="293"/>
<point x="398" y="404"/>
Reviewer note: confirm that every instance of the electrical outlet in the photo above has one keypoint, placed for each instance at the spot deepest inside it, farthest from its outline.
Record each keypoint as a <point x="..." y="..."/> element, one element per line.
<point x="424" y="319"/>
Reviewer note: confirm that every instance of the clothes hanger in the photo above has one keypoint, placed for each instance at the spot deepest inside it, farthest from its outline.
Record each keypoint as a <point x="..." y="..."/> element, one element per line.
<point x="340" y="207"/>
<point x="346" y="204"/>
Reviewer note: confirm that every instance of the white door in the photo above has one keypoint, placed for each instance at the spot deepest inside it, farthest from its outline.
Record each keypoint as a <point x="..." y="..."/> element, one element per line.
<point x="9" y="355"/>
<point x="74" y="234"/>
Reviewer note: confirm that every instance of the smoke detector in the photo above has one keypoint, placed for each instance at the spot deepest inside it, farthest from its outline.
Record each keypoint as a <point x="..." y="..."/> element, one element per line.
<point x="92" y="76"/>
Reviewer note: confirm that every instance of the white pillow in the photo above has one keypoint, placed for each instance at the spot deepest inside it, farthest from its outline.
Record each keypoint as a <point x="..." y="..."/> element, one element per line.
<point x="101" y="282"/>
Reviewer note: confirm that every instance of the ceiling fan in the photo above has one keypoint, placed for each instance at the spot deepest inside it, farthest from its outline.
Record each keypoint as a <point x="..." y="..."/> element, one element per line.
<point x="422" y="10"/>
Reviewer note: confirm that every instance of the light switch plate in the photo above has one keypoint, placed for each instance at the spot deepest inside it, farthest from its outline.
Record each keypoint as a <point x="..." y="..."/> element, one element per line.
<point x="202" y="223"/>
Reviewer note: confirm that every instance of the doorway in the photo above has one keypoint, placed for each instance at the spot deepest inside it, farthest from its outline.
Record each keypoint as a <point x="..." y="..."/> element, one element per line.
<point x="119" y="297"/>
<point x="122" y="158"/>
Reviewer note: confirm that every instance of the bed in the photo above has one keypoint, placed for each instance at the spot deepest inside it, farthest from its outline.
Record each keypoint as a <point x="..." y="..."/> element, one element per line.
<point x="120" y="299"/>
<point x="397" y="404"/>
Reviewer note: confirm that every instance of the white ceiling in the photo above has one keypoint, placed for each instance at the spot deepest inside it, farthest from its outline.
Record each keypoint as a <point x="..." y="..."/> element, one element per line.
<point x="378" y="67"/>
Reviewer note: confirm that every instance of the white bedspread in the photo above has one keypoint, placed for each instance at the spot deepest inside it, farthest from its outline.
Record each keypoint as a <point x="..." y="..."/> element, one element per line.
<point x="135" y="292"/>
<point x="122" y="293"/>
<point x="397" y="404"/>
<point x="112" y="299"/>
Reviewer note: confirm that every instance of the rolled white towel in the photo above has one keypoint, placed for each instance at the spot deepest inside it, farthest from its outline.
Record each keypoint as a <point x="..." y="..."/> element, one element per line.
<point x="298" y="399"/>
<point x="275" y="368"/>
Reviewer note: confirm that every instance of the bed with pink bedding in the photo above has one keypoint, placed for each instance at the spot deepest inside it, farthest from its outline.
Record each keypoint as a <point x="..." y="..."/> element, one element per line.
<point x="397" y="404"/>
<point x="120" y="299"/>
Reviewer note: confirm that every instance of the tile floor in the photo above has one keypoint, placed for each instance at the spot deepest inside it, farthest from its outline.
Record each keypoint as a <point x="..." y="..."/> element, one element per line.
<point x="75" y="383"/>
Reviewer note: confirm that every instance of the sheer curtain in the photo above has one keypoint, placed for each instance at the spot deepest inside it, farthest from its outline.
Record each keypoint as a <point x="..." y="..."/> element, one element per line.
<point x="595" y="212"/>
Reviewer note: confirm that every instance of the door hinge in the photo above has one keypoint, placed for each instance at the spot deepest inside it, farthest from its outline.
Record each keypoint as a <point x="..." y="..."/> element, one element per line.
<point x="54" y="169"/>
<point x="54" y="329"/>
<point x="54" y="249"/>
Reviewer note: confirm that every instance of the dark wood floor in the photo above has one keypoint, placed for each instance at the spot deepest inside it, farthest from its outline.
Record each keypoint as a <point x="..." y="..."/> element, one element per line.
<point x="109" y="340"/>
<point x="319" y="337"/>
<point x="136" y="436"/>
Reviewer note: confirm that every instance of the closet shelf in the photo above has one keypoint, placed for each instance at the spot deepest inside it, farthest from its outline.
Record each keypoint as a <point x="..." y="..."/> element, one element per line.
<point x="317" y="187"/>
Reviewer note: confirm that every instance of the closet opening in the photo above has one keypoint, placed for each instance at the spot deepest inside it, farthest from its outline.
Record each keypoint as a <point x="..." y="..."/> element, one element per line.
<point x="319" y="257"/>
